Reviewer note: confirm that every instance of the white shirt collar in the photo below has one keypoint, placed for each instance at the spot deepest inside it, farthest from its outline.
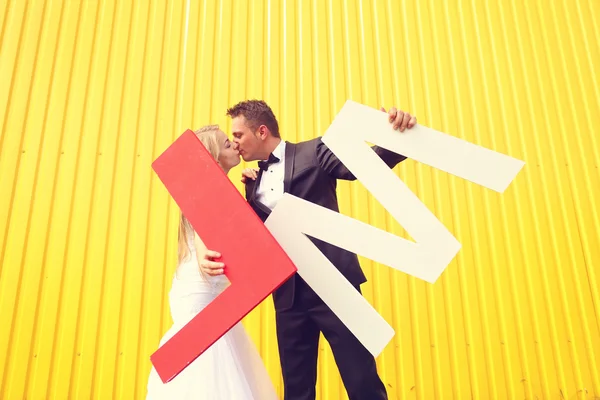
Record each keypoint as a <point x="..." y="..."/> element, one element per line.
<point x="279" y="151"/>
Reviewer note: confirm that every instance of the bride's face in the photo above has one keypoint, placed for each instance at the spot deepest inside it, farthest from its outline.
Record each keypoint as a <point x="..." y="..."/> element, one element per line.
<point x="228" y="156"/>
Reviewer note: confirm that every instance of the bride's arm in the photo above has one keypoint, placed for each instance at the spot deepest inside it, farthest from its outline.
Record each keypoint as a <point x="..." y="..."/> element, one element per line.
<point x="206" y="258"/>
<point x="200" y="251"/>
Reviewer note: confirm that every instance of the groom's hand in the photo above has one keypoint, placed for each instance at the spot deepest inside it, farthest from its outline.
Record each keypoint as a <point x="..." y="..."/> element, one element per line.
<point x="209" y="266"/>
<point x="400" y="119"/>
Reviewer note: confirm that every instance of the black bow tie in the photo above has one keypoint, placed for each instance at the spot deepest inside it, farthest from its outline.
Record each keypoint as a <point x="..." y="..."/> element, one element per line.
<point x="264" y="165"/>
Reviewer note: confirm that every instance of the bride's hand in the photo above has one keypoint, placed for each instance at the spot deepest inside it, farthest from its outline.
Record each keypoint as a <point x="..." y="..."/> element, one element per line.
<point x="249" y="173"/>
<point x="211" y="267"/>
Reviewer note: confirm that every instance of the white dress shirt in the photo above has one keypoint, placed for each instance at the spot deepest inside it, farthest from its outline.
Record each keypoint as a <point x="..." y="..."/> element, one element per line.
<point x="270" y="188"/>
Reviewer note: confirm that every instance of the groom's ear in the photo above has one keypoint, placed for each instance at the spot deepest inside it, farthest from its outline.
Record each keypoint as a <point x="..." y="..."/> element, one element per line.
<point x="263" y="132"/>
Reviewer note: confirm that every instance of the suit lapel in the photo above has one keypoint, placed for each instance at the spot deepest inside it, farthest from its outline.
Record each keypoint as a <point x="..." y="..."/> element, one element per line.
<point x="290" y="154"/>
<point x="256" y="184"/>
<point x="253" y="198"/>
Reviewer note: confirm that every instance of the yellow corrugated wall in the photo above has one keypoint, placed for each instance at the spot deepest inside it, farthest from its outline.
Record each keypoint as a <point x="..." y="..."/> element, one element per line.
<point x="91" y="92"/>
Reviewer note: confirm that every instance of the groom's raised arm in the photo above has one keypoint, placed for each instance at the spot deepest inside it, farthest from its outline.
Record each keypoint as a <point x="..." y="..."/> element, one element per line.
<point x="336" y="169"/>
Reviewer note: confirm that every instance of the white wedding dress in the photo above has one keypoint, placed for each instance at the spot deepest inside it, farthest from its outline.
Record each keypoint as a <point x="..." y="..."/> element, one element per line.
<point x="230" y="369"/>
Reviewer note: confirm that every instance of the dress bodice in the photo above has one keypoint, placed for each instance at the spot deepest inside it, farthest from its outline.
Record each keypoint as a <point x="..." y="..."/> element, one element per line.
<point x="192" y="290"/>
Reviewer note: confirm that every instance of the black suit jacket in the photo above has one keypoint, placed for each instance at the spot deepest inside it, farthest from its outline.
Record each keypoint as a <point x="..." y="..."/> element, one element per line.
<point x="311" y="173"/>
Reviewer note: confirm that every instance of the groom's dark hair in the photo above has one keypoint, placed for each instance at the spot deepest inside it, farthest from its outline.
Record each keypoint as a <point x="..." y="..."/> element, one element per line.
<point x="257" y="113"/>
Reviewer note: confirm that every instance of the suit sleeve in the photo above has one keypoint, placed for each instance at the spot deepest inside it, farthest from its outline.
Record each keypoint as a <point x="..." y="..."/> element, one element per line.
<point x="334" y="167"/>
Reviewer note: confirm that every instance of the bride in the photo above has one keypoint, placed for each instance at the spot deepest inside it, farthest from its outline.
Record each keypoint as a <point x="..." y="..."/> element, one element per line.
<point x="231" y="368"/>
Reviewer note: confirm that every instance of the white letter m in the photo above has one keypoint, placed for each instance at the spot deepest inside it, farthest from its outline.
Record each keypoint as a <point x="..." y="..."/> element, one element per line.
<point x="434" y="246"/>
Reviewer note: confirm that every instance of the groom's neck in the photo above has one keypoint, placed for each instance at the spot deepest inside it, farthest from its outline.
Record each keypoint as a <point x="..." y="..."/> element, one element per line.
<point x="270" y="145"/>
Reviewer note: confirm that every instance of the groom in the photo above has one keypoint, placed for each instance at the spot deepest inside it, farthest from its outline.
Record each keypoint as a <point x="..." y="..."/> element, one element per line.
<point x="308" y="170"/>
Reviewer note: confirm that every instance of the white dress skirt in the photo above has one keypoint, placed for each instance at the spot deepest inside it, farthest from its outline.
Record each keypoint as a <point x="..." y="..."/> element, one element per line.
<point x="231" y="369"/>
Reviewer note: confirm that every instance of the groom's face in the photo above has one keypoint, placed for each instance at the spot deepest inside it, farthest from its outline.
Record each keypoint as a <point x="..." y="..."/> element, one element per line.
<point x="245" y="140"/>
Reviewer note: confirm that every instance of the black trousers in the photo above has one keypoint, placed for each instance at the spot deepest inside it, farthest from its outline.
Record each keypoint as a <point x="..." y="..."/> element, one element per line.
<point x="298" y="331"/>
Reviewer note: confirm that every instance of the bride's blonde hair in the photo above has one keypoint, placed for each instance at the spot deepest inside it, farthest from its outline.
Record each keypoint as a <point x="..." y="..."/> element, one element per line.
<point x="208" y="137"/>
